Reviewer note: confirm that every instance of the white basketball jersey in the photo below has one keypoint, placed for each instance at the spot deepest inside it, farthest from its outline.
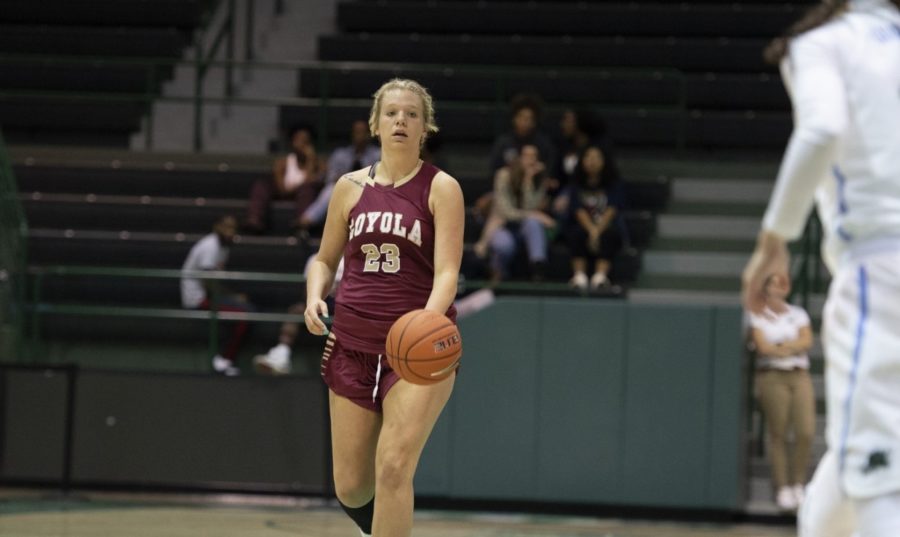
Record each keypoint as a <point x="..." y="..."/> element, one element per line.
<point x="849" y="86"/>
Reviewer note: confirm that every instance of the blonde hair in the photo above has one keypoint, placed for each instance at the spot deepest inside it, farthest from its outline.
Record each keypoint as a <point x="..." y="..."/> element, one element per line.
<point x="408" y="85"/>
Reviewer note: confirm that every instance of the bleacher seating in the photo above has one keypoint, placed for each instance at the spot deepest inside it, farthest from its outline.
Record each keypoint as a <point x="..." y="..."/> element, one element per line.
<point x="74" y="72"/>
<point x="570" y="18"/>
<point x="663" y="75"/>
<point x="149" y="217"/>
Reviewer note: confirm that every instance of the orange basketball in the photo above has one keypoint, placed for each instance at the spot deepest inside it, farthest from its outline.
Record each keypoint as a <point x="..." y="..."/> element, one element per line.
<point x="423" y="347"/>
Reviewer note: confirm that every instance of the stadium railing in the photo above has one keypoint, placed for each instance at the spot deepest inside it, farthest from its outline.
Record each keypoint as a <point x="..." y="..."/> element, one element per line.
<point x="13" y="259"/>
<point x="37" y="306"/>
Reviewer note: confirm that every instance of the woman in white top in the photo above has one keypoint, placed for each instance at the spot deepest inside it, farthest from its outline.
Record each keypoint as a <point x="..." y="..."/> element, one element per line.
<point x="296" y="176"/>
<point x="781" y="335"/>
<point x="843" y="65"/>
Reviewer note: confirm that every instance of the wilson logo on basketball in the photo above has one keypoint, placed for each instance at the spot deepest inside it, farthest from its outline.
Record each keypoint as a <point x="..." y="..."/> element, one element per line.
<point x="443" y="344"/>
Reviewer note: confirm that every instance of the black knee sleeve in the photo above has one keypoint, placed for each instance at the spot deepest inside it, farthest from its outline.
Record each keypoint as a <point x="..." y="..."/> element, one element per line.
<point x="361" y="515"/>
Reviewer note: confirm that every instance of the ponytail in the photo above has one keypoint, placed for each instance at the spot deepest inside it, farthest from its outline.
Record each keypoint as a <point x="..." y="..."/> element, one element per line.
<point x="777" y="49"/>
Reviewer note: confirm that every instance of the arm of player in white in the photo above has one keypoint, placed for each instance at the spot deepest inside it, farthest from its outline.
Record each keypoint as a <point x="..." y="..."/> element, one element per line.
<point x="820" y="119"/>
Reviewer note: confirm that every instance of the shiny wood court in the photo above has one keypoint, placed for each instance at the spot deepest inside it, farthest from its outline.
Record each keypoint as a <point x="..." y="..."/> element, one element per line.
<point x="38" y="515"/>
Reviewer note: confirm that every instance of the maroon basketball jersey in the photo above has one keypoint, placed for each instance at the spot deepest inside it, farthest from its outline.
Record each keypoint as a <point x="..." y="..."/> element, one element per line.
<point x="388" y="261"/>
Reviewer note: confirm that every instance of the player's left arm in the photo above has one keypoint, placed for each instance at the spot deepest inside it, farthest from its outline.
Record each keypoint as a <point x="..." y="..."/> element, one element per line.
<point x="447" y="206"/>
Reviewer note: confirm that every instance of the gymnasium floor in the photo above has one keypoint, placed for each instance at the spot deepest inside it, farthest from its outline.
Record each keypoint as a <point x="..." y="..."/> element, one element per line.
<point x="37" y="514"/>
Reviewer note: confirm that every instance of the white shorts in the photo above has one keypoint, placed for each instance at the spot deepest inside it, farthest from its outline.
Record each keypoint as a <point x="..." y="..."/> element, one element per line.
<point x="861" y="337"/>
<point x="828" y="512"/>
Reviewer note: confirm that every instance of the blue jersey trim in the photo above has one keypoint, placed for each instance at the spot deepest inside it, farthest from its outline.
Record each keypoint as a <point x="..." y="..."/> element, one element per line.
<point x="863" y="284"/>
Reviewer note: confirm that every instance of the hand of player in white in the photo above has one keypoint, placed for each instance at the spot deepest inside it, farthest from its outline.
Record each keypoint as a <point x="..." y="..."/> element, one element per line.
<point x="770" y="257"/>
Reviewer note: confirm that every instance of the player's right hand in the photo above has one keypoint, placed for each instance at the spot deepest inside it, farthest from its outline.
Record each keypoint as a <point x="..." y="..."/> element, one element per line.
<point x="316" y="310"/>
<point x="770" y="257"/>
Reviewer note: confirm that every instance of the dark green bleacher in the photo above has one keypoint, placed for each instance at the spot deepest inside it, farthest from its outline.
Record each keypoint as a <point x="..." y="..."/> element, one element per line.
<point x="687" y="75"/>
<point x="561" y="18"/>
<point x="80" y="72"/>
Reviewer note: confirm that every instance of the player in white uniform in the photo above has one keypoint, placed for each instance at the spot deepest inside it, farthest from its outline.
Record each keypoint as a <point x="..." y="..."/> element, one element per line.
<point x="845" y="77"/>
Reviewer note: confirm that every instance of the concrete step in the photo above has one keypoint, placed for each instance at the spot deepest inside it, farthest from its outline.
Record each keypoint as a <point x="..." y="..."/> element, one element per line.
<point x="735" y="165"/>
<point x="689" y="283"/>
<point x="679" y="296"/>
<point x="713" y="264"/>
<point x="681" y="244"/>
<point x="713" y="208"/>
<point x="708" y="227"/>
<point x="686" y="189"/>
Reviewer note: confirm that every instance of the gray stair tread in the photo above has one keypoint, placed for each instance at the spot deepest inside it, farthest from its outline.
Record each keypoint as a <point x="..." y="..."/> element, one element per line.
<point x="713" y="208"/>
<point x="679" y="244"/>
<point x="708" y="227"/>
<point x="721" y="190"/>
<point x="716" y="264"/>
<point x="688" y="283"/>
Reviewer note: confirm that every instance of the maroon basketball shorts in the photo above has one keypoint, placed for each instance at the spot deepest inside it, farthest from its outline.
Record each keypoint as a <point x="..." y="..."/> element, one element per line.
<point x="361" y="377"/>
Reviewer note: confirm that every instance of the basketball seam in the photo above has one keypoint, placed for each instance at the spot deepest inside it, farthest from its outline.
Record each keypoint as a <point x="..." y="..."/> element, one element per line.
<point x="430" y="379"/>
<point x="409" y="322"/>
<point x="403" y="366"/>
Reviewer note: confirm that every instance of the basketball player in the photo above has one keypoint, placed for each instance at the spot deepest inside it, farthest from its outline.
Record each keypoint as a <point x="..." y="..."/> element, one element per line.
<point x="398" y="225"/>
<point x="844" y="71"/>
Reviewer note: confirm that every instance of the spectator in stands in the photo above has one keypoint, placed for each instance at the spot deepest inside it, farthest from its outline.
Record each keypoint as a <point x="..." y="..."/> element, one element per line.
<point x="211" y="253"/>
<point x="593" y="227"/>
<point x="295" y="176"/>
<point x="526" y="111"/>
<point x="519" y="201"/>
<point x="431" y="151"/>
<point x="781" y="335"/>
<point x="578" y="130"/>
<point x="359" y="154"/>
<point x="278" y="360"/>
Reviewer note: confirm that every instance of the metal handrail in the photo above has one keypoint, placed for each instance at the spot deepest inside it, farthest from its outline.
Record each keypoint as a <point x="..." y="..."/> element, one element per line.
<point x="13" y="249"/>
<point x="38" y="307"/>
<point x="203" y="60"/>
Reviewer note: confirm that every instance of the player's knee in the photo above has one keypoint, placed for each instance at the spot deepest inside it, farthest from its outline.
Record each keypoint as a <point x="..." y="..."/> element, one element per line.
<point x="395" y="470"/>
<point x="352" y="490"/>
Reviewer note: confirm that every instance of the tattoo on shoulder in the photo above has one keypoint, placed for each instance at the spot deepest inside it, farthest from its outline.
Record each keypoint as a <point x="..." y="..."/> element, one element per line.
<point x="354" y="180"/>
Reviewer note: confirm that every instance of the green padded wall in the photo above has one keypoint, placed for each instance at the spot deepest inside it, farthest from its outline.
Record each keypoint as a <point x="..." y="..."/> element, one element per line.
<point x="666" y="406"/>
<point x="557" y="400"/>
<point x="494" y="436"/>
<point x="594" y="402"/>
<point x="580" y="391"/>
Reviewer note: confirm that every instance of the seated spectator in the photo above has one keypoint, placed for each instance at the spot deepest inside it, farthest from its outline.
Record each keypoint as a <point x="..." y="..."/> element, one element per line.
<point x="360" y="153"/>
<point x="578" y="129"/>
<point x="211" y="253"/>
<point x="593" y="230"/>
<point x="526" y="111"/>
<point x="782" y="336"/>
<point x="295" y="176"/>
<point x="278" y="360"/>
<point x="519" y="201"/>
<point x="431" y="151"/>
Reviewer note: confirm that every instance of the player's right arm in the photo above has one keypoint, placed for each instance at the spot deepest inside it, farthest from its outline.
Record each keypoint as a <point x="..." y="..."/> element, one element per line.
<point x="321" y="273"/>
<point x="820" y="116"/>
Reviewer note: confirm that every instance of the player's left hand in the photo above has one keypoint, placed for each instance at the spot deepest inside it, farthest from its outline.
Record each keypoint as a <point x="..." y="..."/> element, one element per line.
<point x="770" y="257"/>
